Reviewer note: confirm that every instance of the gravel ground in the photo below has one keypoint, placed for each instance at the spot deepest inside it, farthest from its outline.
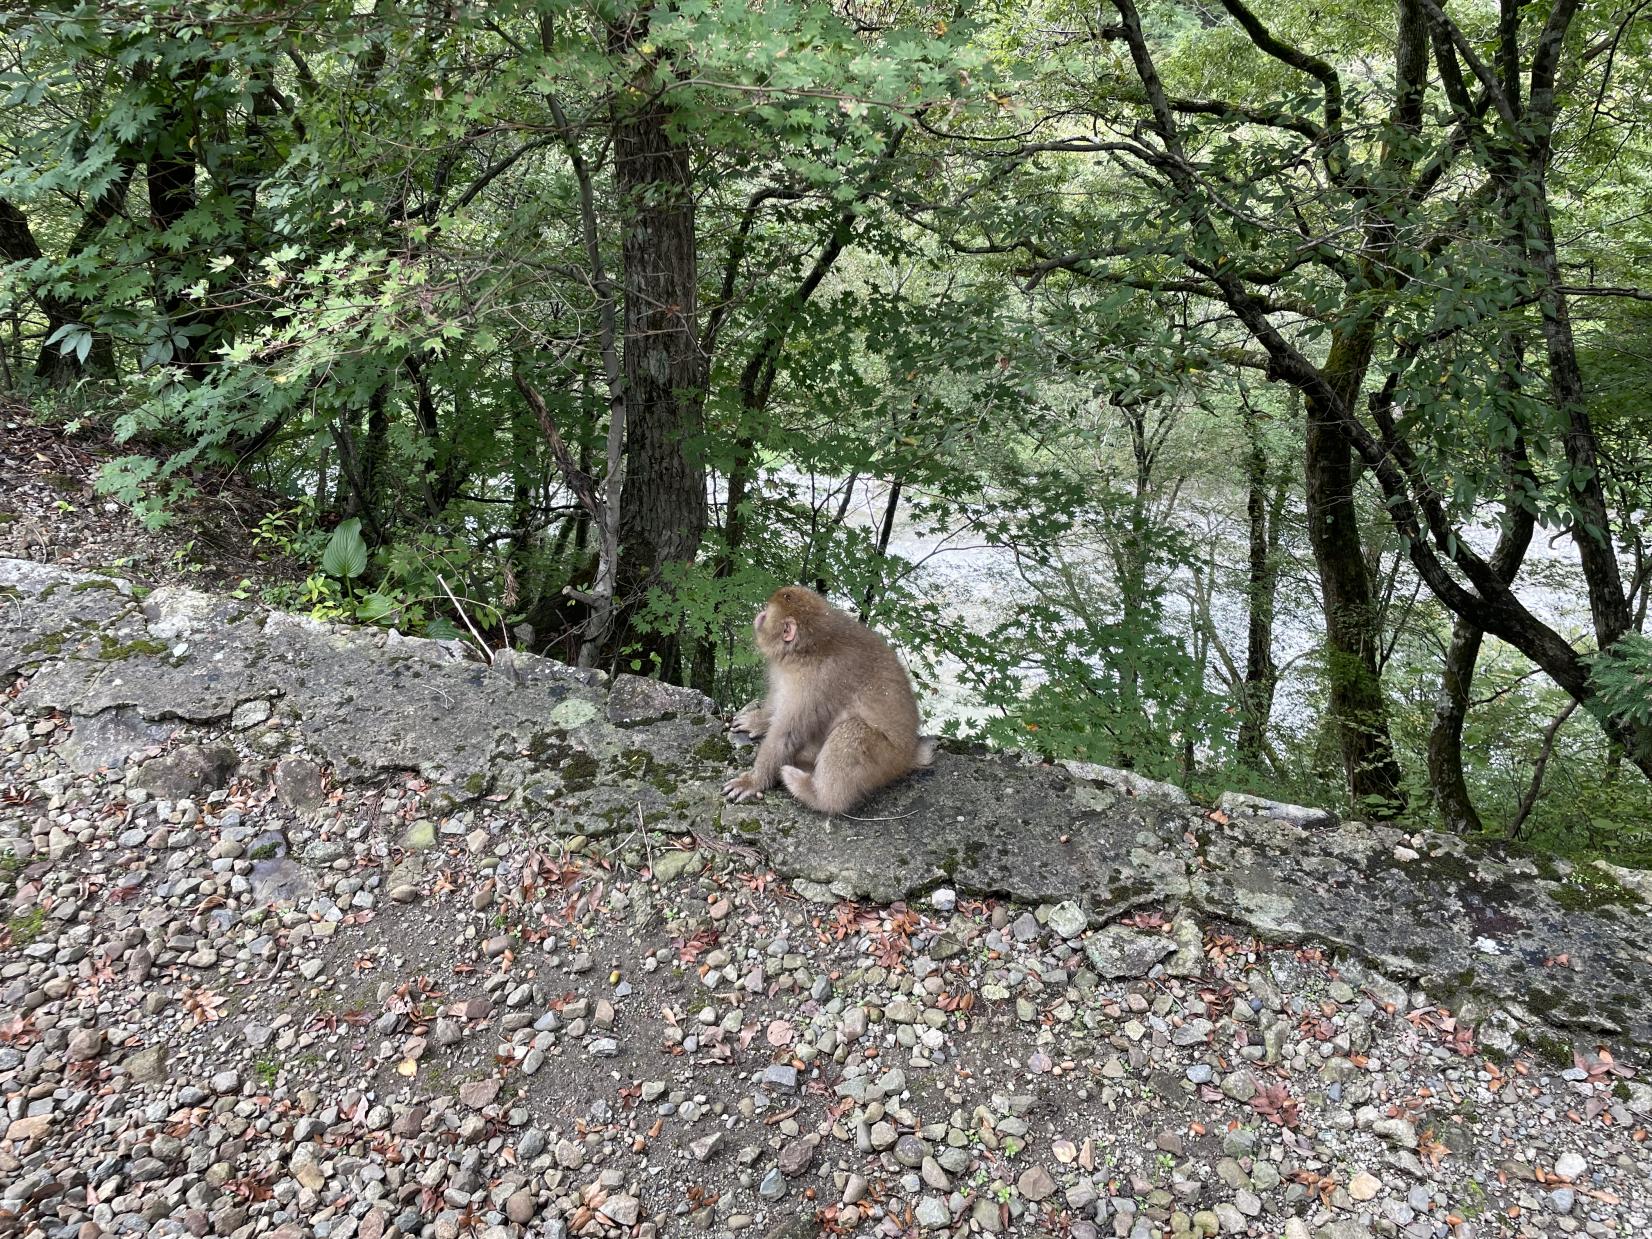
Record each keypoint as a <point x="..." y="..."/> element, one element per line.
<point x="238" y="999"/>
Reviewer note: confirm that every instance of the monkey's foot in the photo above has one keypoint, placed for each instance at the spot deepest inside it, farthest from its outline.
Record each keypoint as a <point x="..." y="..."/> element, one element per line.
<point x="799" y="783"/>
<point x="741" y="788"/>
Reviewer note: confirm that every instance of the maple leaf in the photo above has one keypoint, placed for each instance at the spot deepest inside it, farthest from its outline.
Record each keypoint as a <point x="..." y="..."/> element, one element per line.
<point x="689" y="950"/>
<point x="1430" y="1149"/>
<point x="1148" y="918"/>
<point x="1275" y="1103"/>
<point x="203" y="1006"/>
<point x="19" y="1030"/>
<point x="1602" y="1065"/>
<point x="903" y="920"/>
<point x="888" y="951"/>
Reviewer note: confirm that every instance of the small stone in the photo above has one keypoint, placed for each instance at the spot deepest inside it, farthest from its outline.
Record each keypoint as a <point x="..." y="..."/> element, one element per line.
<point x="620" y="1209"/>
<point x="520" y="1207"/>
<point x="901" y="1011"/>
<point x="147" y="1066"/>
<point x="932" y="1213"/>
<point x="933" y="1175"/>
<point x="1402" y="1132"/>
<point x="1570" y="1165"/>
<point x="796" y="1157"/>
<point x="1562" y="1200"/>
<point x="943" y="899"/>
<point x="479" y="1093"/>
<point x="1067" y="919"/>
<point x="30" y="1127"/>
<point x="675" y="863"/>
<point x="85" y="1044"/>
<point x="570" y="1154"/>
<point x="249" y="714"/>
<point x="1119" y="952"/>
<point x="1035" y="1183"/>
<point x="1364" y="1186"/>
<point x="306" y="1168"/>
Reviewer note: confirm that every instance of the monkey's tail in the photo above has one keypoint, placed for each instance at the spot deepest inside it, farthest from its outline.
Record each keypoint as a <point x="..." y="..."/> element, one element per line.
<point x="926" y="751"/>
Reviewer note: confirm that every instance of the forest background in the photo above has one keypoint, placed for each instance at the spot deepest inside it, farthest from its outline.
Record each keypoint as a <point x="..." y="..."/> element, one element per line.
<point x="1254" y="396"/>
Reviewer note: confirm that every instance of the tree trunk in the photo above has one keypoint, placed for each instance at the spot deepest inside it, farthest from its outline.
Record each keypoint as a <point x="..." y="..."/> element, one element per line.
<point x="1353" y="634"/>
<point x="1445" y="739"/>
<point x="1261" y="588"/>
<point x="369" y="501"/>
<point x="170" y="179"/>
<point x="1591" y="525"/>
<point x="17" y="244"/>
<point x="663" y="510"/>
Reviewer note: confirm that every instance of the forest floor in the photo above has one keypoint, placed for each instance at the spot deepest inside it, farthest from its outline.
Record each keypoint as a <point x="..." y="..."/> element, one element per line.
<point x="244" y="1003"/>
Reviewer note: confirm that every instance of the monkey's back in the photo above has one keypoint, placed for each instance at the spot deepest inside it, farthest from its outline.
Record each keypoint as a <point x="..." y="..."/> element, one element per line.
<point x="870" y="683"/>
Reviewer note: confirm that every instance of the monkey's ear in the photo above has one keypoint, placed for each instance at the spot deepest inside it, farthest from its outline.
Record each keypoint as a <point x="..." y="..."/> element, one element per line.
<point x="788" y="631"/>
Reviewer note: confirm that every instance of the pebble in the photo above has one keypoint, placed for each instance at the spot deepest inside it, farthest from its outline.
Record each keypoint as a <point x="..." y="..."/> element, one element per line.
<point x="1570" y="1165"/>
<point x="1035" y="1183"/>
<point x="1364" y="1186"/>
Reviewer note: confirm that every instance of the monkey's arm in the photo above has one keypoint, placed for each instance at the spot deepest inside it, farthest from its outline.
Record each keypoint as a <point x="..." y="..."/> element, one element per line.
<point x="778" y="748"/>
<point x="754" y="720"/>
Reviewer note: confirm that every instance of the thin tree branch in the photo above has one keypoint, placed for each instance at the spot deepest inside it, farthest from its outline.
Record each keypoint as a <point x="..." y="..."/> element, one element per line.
<point x="1528" y="802"/>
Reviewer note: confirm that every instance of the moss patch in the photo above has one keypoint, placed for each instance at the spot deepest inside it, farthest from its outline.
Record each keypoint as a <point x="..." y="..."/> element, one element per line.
<point x="1589" y="889"/>
<point x="25" y="927"/>
<point x="115" y="651"/>
<point x="715" y="749"/>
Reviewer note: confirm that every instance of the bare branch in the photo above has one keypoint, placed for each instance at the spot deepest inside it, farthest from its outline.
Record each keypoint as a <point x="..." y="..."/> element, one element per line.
<point x="1528" y="802"/>
<point x="1297" y="59"/>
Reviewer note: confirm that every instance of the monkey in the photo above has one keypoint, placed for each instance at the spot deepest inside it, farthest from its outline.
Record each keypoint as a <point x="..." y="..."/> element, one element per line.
<point x="839" y="720"/>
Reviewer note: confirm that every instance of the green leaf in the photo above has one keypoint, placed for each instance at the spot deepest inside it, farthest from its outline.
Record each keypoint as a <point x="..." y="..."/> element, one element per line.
<point x="346" y="553"/>
<point x="374" y="607"/>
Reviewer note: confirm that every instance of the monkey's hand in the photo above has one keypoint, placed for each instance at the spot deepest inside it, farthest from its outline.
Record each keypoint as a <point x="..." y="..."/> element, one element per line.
<point x="743" y="787"/>
<point x="753" y="720"/>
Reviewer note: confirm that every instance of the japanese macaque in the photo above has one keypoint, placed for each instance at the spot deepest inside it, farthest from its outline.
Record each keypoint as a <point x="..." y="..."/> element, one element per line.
<point x="839" y="720"/>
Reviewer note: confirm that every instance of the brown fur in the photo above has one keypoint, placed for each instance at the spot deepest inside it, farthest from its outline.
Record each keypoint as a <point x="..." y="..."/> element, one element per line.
<point x="839" y="701"/>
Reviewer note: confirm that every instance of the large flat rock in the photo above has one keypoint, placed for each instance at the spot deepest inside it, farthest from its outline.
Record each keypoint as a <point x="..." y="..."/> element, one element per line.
<point x="986" y="823"/>
<point x="1567" y="944"/>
